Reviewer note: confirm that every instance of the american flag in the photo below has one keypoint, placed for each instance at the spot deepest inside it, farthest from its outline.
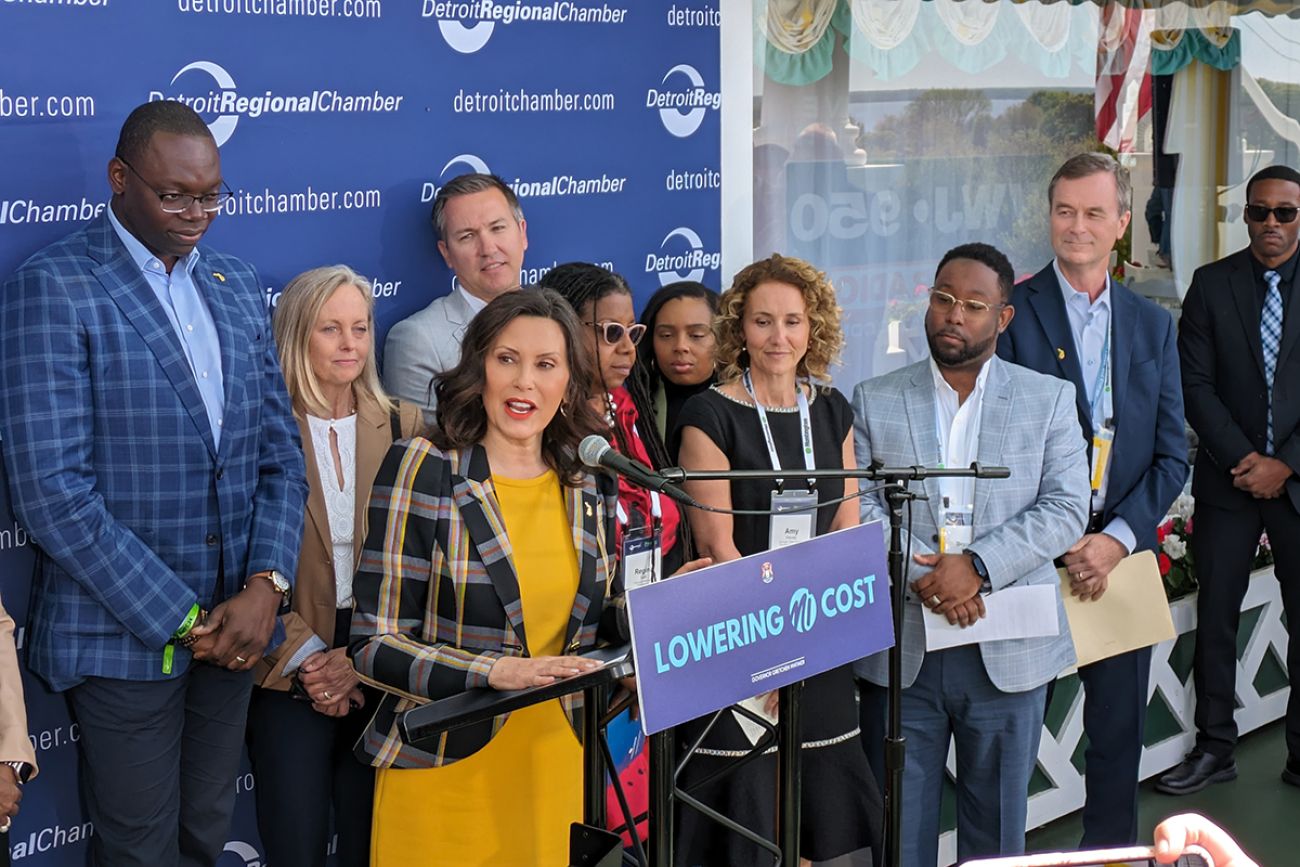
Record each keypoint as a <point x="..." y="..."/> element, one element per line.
<point x="1123" y="74"/>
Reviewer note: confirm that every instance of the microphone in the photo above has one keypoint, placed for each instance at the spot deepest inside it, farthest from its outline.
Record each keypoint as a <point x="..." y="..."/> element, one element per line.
<point x="596" y="452"/>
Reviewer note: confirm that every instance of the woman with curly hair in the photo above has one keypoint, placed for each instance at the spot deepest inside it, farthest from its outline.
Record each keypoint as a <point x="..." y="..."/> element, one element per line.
<point x="778" y="332"/>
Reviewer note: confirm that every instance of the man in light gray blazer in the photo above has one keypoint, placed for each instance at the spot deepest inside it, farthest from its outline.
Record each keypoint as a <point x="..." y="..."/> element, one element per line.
<point x="961" y="405"/>
<point x="482" y="236"/>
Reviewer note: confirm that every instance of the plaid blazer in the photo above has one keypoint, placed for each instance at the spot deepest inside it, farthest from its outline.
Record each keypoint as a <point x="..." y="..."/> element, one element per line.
<point x="110" y="458"/>
<point x="437" y="596"/>
<point x="1027" y="424"/>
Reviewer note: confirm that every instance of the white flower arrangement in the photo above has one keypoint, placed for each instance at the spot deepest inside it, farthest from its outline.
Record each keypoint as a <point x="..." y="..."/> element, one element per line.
<point x="1175" y="546"/>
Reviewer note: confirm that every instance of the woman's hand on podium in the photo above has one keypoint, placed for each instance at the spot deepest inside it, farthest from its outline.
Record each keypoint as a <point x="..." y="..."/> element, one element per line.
<point x="522" y="672"/>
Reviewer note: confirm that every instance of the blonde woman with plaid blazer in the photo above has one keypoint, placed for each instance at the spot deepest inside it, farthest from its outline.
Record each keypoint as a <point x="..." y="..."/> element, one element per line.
<point x="489" y="563"/>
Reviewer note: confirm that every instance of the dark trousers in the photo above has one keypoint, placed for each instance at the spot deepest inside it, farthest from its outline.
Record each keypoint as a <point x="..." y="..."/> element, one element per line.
<point x="303" y="764"/>
<point x="1224" y="542"/>
<point x="1114" y="716"/>
<point x="4" y="849"/>
<point x="159" y="761"/>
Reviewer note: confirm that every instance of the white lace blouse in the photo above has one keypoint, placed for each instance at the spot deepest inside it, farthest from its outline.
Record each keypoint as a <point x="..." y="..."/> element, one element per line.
<point x="340" y="494"/>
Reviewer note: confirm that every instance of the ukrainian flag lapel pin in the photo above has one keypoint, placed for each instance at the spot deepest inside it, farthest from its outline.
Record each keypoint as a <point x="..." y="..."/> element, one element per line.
<point x="222" y="278"/>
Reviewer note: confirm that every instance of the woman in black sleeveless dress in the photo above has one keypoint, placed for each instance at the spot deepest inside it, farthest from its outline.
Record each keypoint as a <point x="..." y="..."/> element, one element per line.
<point x="778" y="333"/>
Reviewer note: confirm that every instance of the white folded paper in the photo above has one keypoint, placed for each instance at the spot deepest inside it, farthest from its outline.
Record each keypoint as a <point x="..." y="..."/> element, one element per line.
<point x="1013" y="612"/>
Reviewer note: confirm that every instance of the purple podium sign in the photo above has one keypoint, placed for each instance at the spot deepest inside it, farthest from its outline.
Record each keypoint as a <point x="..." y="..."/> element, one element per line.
<point x="708" y="639"/>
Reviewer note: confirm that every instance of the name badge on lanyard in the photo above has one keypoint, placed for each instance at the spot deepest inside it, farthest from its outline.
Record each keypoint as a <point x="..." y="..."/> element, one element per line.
<point x="642" y="555"/>
<point x="642" y="559"/>
<point x="957" y="527"/>
<point x="794" y="512"/>
<point x="1103" y="437"/>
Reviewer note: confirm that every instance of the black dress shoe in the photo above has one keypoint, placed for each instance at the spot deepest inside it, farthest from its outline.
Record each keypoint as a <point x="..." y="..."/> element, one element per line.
<point x="1291" y="773"/>
<point x="1196" y="772"/>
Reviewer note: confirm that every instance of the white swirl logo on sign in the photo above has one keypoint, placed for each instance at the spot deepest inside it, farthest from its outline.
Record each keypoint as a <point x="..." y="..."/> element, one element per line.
<point x="465" y="40"/>
<point x="469" y="162"/>
<point x="682" y="111"/>
<point x="688" y="265"/>
<point x="223" y="127"/>
<point x="246" y="853"/>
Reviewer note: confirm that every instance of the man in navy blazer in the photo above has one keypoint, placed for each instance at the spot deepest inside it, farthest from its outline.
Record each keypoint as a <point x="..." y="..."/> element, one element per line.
<point x="152" y="456"/>
<point x="1120" y="351"/>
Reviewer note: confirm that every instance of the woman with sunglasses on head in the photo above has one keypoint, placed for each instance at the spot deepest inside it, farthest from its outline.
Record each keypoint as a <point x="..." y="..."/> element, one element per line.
<point x="603" y="302"/>
<point x="778" y="332"/>
<point x="678" y="352"/>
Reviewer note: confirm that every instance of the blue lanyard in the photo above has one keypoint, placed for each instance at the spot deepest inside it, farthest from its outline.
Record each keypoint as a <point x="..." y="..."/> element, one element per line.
<point x="1102" y="385"/>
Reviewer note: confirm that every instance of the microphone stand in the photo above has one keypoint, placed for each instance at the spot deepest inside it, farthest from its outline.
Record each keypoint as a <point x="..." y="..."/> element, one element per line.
<point x="894" y="481"/>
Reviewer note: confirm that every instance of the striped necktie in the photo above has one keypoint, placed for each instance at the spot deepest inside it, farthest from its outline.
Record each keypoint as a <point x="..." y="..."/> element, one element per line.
<point x="1270" y="334"/>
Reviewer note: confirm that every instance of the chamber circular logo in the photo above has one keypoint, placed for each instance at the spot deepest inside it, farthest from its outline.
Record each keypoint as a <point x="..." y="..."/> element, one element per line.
<point x="465" y="40"/>
<point x="471" y="163"/>
<point x="673" y="263"/>
<point x="223" y="126"/>
<point x="803" y="610"/>
<point x="248" y="855"/>
<point x="682" y="110"/>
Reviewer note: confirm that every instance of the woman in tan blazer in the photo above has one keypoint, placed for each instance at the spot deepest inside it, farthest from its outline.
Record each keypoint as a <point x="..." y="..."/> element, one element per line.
<point x="17" y="759"/>
<point x="306" y="711"/>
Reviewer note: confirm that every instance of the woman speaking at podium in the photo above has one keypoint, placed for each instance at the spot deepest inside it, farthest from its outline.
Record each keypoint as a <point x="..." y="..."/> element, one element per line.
<point x="778" y="332"/>
<point x="489" y="563"/>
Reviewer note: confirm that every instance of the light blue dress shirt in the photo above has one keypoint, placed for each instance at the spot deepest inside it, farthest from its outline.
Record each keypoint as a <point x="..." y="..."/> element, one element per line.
<point x="1090" y="325"/>
<point x="190" y="318"/>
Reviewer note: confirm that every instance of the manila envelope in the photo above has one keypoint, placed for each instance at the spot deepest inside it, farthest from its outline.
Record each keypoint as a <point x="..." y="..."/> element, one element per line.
<point x="1132" y="613"/>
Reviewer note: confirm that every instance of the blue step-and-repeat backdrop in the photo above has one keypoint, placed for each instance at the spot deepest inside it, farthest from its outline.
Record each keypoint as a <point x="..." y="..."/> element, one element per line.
<point x="337" y="121"/>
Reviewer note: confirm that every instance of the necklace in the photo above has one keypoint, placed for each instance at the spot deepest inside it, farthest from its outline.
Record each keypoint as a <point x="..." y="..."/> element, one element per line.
<point x="611" y="411"/>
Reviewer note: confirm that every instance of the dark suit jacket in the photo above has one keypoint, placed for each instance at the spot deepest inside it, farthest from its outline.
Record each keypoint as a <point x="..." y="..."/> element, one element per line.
<point x="437" y="594"/>
<point x="136" y="512"/>
<point x="1149" y="457"/>
<point x="1223" y="379"/>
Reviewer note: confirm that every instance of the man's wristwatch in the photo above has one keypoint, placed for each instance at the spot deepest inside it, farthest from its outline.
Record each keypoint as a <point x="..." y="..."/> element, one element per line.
<point x="986" y="586"/>
<point x="278" y="581"/>
<point x="20" y="770"/>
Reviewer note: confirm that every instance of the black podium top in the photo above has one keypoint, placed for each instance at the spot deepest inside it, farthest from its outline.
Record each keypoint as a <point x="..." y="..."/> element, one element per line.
<point x="475" y="705"/>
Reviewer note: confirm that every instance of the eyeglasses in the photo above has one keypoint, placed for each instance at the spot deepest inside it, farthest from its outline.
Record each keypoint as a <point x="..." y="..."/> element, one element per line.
<point x="942" y="302"/>
<point x="612" y="332"/>
<point x="1259" y="213"/>
<point x="179" y="203"/>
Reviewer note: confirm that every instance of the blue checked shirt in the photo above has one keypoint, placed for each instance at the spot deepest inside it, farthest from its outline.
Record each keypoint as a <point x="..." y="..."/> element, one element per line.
<point x="189" y="316"/>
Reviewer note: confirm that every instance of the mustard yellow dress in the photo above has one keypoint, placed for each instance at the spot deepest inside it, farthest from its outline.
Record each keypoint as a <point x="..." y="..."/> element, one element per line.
<point x="512" y="802"/>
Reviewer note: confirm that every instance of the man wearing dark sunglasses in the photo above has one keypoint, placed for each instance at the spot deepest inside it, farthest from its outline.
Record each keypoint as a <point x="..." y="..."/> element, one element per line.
<point x="1241" y="370"/>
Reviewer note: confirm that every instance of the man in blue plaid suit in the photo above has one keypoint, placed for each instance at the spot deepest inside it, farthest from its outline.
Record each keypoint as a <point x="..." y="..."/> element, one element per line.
<point x="972" y="540"/>
<point x="152" y="456"/>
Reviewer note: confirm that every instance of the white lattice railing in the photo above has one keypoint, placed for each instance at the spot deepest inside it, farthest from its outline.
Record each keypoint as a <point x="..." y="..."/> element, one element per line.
<point x="1268" y="635"/>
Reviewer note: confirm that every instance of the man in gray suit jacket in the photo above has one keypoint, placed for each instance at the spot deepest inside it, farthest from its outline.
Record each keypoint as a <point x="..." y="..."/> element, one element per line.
<point x="971" y="540"/>
<point x="482" y="236"/>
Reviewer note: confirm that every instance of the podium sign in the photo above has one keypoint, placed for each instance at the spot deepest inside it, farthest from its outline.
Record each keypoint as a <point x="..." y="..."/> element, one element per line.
<point x="708" y="639"/>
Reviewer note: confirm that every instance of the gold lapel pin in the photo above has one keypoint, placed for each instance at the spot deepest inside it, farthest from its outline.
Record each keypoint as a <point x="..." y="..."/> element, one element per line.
<point x="222" y="278"/>
<point x="588" y="505"/>
<point x="1060" y="354"/>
